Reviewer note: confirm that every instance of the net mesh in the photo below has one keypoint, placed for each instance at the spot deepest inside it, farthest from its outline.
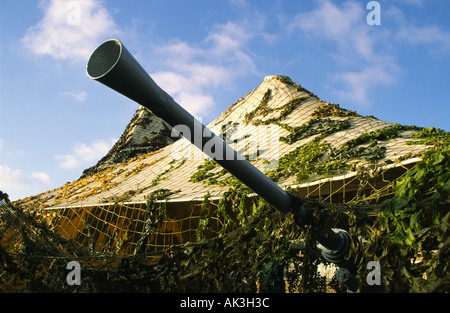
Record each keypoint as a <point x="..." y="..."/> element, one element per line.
<point x="153" y="226"/>
<point x="128" y="229"/>
<point x="236" y="243"/>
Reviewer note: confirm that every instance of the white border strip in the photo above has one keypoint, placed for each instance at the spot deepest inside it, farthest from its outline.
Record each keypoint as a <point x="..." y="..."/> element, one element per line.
<point x="304" y="185"/>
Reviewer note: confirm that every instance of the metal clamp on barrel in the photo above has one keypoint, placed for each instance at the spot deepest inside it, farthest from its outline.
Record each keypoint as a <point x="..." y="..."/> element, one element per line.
<point x="337" y="255"/>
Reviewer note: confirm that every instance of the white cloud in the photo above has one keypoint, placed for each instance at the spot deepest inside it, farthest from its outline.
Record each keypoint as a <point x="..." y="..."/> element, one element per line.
<point x="193" y="70"/>
<point x="67" y="161"/>
<point x="84" y="154"/>
<point x="69" y="30"/>
<point x="359" y="48"/>
<point x="189" y="85"/>
<point x="80" y="96"/>
<point x="17" y="180"/>
<point x="228" y="39"/>
<point x="364" y="53"/>
<point x="197" y="103"/>
<point x="433" y="37"/>
<point x="329" y="20"/>
<point x="359" y="83"/>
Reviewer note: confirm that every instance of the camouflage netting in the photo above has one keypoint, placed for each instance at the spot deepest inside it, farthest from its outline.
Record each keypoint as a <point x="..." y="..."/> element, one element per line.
<point x="408" y="234"/>
<point x="134" y="221"/>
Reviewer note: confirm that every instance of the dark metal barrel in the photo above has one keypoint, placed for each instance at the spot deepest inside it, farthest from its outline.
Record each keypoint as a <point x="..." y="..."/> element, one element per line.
<point x="114" y="66"/>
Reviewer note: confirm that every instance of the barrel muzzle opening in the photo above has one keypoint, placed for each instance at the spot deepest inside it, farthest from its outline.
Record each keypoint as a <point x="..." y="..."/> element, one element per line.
<point x="104" y="58"/>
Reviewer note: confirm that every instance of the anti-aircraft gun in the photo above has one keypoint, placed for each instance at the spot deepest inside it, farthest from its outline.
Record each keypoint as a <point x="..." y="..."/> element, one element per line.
<point x="114" y="66"/>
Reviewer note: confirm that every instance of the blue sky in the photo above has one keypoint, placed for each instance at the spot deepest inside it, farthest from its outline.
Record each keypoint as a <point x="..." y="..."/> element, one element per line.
<point x="55" y="121"/>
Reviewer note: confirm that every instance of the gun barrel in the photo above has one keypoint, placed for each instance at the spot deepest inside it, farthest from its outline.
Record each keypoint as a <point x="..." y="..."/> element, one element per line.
<point x="114" y="66"/>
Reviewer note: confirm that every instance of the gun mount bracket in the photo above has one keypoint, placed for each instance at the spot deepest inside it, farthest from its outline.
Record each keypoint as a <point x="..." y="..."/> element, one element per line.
<point x="338" y="255"/>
